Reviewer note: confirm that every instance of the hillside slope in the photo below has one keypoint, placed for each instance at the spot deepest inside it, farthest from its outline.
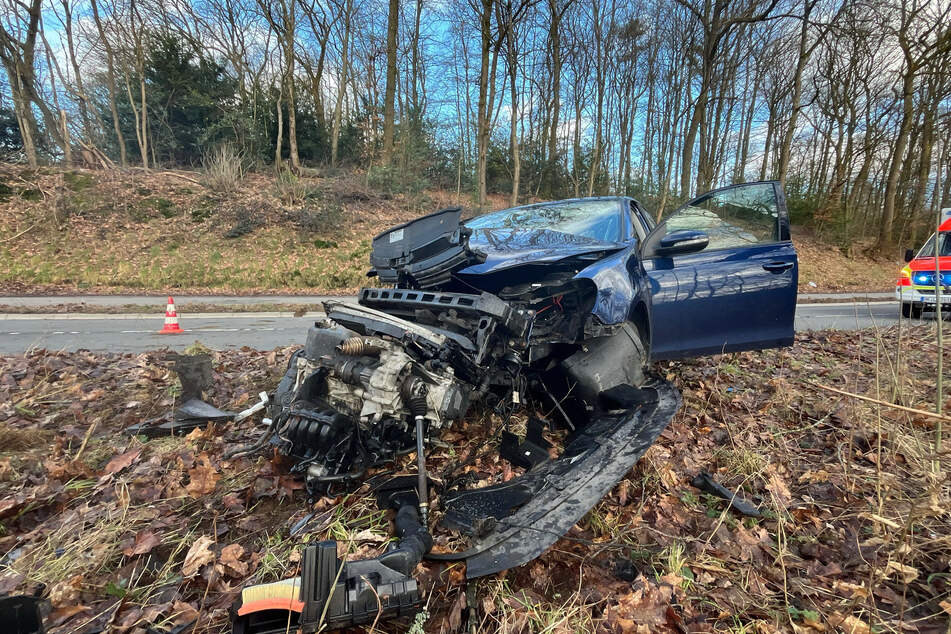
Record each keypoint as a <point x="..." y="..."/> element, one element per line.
<point x="133" y="231"/>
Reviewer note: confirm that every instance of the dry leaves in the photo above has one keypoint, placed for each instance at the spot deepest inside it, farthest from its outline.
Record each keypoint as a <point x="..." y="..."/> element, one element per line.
<point x="145" y="541"/>
<point x="122" y="461"/>
<point x="198" y="555"/>
<point x="202" y="479"/>
<point x="782" y="447"/>
<point x="231" y="559"/>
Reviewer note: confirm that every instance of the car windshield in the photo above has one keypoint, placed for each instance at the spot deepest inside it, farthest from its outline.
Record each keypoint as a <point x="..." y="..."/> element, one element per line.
<point x="927" y="251"/>
<point x="598" y="220"/>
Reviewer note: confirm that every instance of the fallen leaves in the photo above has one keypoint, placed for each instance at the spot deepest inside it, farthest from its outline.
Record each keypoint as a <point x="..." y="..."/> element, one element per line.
<point x="145" y="541"/>
<point x="641" y="610"/>
<point x="198" y="555"/>
<point x="220" y="523"/>
<point x="231" y="559"/>
<point x="202" y="478"/>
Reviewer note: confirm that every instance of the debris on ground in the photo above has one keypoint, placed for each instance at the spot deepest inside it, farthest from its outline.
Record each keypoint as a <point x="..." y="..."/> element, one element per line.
<point x="125" y="533"/>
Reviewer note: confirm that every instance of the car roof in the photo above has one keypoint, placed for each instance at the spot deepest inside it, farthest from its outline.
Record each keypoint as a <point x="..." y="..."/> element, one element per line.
<point x="568" y="200"/>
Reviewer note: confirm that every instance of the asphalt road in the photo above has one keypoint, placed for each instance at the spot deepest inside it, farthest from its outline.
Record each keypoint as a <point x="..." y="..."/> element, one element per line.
<point x="137" y="333"/>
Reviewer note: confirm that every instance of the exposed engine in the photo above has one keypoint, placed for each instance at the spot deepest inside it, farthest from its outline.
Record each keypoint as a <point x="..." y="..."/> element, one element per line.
<point x="350" y="397"/>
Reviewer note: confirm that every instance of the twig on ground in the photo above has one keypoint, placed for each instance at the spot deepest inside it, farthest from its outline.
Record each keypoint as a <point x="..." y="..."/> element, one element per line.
<point x="869" y="399"/>
<point x="28" y="229"/>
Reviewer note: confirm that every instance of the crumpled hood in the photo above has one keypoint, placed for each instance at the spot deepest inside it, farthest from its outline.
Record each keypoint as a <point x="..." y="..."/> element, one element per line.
<point x="505" y="248"/>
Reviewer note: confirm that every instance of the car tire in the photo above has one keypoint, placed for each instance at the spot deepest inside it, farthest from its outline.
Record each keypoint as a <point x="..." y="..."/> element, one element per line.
<point x="910" y="310"/>
<point x="916" y="311"/>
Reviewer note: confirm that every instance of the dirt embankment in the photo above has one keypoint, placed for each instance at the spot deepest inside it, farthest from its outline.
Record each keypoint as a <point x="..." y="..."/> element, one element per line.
<point x="89" y="231"/>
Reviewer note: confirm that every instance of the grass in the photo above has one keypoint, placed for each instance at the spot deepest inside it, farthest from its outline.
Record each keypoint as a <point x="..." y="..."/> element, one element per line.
<point x="515" y="610"/>
<point x="13" y="439"/>
<point x="86" y="544"/>
<point x="158" y="306"/>
<point x="265" y="260"/>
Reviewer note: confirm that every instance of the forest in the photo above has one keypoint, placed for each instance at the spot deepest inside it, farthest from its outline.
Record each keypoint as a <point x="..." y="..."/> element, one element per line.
<point x="846" y="103"/>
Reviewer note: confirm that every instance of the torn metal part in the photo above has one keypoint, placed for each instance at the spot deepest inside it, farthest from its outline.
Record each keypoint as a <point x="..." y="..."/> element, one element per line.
<point x="195" y="374"/>
<point x="532" y="451"/>
<point x="190" y="415"/>
<point x="705" y="482"/>
<point x="195" y="409"/>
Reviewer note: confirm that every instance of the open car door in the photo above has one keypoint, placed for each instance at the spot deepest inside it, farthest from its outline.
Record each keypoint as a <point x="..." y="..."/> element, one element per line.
<point x="723" y="274"/>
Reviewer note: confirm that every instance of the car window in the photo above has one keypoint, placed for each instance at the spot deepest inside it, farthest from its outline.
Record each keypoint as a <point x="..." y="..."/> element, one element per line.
<point x="595" y="219"/>
<point x="733" y="217"/>
<point x="927" y="251"/>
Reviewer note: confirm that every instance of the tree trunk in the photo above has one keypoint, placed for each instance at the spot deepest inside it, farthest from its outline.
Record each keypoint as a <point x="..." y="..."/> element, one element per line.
<point x="342" y="84"/>
<point x="482" y="134"/>
<point x="77" y="74"/>
<point x="111" y="85"/>
<point x="290" y="39"/>
<point x="416" y="79"/>
<point x="894" y="169"/>
<point x="804" y="51"/>
<point x="278" y="158"/>
<point x="554" y="38"/>
<point x="389" y="96"/>
<point x="599" y="72"/>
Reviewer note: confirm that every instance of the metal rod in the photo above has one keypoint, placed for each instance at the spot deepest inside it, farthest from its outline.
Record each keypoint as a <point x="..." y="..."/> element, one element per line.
<point x="423" y="484"/>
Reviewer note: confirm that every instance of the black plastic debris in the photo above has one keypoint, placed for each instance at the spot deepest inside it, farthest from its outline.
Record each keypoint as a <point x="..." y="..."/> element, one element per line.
<point x="558" y="493"/>
<point x="332" y="594"/>
<point x="21" y="615"/>
<point x="530" y="452"/>
<point x="195" y="374"/>
<point x="705" y="482"/>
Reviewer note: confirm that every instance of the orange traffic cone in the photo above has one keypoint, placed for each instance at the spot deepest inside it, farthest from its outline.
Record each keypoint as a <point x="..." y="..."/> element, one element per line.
<point x="171" y="320"/>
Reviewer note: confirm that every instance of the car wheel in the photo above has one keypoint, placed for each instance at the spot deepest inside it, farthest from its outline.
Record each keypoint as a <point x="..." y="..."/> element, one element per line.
<point x="905" y="310"/>
<point x="916" y="311"/>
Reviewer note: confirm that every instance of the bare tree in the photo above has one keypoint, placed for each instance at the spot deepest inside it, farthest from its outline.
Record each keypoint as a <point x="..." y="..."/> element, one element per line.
<point x="921" y="44"/>
<point x="389" y="99"/>
<point x="716" y="19"/>
<point x="18" y="32"/>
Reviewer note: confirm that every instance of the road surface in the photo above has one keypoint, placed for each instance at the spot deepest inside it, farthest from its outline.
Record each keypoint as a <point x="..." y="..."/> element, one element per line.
<point x="137" y="333"/>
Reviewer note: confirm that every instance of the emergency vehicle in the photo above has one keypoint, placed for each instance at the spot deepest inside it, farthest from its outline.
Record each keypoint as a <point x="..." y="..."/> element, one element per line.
<point x="916" y="283"/>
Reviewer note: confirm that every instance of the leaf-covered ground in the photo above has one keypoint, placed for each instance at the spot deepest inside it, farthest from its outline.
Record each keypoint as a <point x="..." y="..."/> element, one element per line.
<point x="125" y="535"/>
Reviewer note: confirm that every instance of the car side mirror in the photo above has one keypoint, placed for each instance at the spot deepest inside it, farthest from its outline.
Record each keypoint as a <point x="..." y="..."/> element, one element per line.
<point x="682" y="242"/>
<point x="909" y="255"/>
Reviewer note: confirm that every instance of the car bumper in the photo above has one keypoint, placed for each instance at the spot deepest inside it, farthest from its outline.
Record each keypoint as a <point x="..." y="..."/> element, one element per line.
<point x="913" y="295"/>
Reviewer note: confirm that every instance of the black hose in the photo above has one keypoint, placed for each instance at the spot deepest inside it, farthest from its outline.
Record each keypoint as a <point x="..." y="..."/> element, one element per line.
<point x="414" y="542"/>
<point x="243" y="450"/>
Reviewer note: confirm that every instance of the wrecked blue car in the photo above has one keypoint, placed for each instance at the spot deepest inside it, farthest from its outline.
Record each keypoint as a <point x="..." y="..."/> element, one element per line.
<point x="555" y="309"/>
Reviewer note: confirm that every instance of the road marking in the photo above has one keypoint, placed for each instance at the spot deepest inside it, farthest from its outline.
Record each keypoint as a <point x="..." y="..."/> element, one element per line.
<point x="836" y="304"/>
<point x="143" y="316"/>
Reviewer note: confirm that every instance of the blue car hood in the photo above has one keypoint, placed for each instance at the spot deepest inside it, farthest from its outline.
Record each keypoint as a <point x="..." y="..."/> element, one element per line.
<point x="505" y="248"/>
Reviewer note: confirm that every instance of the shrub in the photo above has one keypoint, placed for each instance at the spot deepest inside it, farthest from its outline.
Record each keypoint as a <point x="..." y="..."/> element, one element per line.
<point x="223" y="169"/>
<point x="292" y="190"/>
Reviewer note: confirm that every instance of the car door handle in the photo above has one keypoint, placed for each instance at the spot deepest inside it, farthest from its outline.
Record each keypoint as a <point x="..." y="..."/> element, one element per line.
<point x="778" y="267"/>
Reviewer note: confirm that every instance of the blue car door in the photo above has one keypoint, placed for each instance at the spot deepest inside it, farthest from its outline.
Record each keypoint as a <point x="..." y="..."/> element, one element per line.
<point x="723" y="274"/>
